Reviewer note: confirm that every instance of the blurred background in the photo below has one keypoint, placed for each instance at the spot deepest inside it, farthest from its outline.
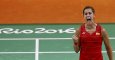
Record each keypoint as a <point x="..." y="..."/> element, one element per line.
<point x="53" y="11"/>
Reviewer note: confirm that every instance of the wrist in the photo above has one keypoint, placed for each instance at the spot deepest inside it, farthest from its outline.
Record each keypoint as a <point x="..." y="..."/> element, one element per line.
<point x="75" y="43"/>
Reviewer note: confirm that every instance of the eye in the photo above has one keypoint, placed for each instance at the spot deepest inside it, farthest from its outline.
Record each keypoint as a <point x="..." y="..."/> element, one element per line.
<point x="90" y="13"/>
<point x="86" y="13"/>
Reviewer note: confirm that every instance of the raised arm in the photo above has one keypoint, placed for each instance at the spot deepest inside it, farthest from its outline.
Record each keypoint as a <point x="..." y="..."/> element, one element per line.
<point x="76" y="41"/>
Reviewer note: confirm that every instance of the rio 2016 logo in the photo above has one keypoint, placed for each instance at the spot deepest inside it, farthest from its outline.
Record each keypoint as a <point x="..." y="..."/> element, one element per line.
<point x="35" y="30"/>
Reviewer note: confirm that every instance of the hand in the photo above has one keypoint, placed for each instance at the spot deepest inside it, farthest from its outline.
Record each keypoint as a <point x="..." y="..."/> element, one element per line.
<point x="75" y="38"/>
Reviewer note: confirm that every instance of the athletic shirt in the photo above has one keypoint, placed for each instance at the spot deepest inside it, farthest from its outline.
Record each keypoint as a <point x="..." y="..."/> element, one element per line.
<point x="90" y="44"/>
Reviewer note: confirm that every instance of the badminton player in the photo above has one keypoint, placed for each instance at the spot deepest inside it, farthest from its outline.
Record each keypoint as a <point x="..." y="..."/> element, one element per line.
<point x="89" y="36"/>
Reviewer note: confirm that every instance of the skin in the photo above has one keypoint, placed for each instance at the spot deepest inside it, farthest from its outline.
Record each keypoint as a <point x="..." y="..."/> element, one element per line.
<point x="90" y="27"/>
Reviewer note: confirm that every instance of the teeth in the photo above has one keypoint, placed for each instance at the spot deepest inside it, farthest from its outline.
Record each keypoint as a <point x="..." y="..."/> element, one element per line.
<point x="88" y="18"/>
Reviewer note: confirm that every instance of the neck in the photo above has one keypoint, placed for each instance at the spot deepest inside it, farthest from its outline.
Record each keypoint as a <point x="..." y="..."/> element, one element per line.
<point x="90" y="25"/>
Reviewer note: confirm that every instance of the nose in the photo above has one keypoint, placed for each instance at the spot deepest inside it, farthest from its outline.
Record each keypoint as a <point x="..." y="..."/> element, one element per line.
<point x="88" y="14"/>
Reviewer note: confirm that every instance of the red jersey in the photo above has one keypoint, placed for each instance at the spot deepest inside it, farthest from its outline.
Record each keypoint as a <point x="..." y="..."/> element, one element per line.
<point x="91" y="44"/>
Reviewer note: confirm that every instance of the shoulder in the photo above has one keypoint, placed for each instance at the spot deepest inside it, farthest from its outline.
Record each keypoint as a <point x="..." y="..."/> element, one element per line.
<point x="104" y="32"/>
<point x="78" y="30"/>
<point x="99" y="25"/>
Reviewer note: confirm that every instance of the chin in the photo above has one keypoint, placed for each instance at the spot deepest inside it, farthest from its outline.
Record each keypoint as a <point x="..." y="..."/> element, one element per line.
<point x="89" y="23"/>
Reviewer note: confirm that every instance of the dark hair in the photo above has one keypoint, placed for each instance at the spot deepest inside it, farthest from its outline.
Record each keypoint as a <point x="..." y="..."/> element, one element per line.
<point x="89" y="7"/>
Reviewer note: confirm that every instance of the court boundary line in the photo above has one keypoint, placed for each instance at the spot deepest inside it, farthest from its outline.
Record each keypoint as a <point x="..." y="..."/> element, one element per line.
<point x="36" y="49"/>
<point x="17" y="52"/>
<point x="67" y="52"/>
<point x="41" y="38"/>
<point x="59" y="52"/>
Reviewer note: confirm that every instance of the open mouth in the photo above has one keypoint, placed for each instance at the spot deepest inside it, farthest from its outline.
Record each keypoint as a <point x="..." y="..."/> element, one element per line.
<point x="88" y="18"/>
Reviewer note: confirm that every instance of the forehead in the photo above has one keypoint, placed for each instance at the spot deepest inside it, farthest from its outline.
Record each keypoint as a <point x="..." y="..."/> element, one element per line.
<point x="87" y="10"/>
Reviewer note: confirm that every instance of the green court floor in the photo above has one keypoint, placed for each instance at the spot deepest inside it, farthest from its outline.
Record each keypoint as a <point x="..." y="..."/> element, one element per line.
<point x="51" y="45"/>
<point x="48" y="50"/>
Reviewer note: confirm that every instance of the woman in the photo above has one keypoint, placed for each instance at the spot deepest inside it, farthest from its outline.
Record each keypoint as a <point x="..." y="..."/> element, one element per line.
<point x="89" y="37"/>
